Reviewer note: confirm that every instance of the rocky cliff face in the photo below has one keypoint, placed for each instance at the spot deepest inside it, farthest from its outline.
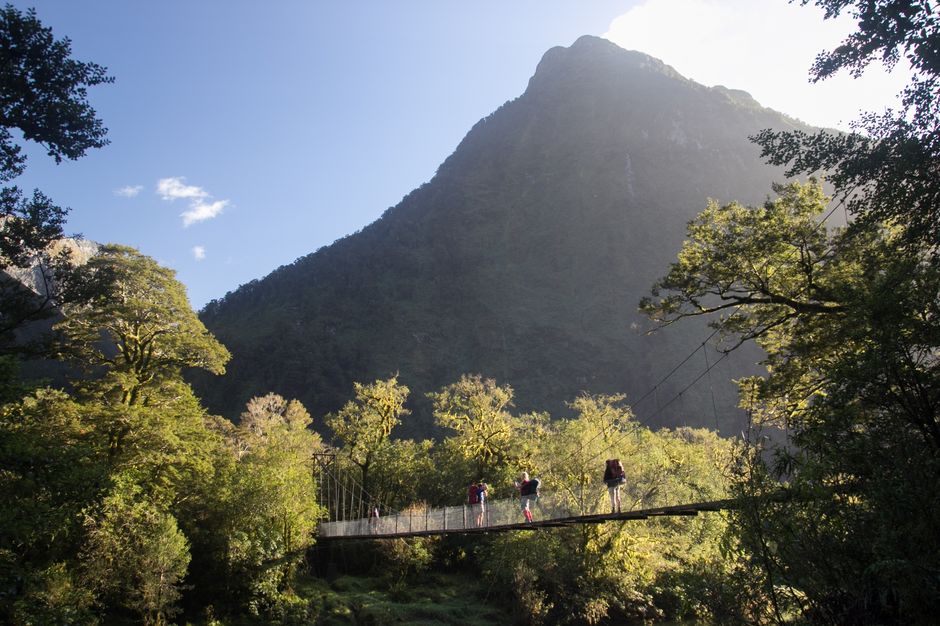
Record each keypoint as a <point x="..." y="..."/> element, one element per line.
<point x="31" y="278"/>
<point x="523" y="259"/>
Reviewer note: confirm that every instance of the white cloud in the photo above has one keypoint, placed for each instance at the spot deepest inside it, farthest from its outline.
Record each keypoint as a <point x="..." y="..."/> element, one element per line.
<point x="202" y="211"/>
<point x="201" y="206"/>
<point x="174" y="188"/>
<point x="199" y="253"/>
<point x="128" y="191"/>
<point x="764" y="47"/>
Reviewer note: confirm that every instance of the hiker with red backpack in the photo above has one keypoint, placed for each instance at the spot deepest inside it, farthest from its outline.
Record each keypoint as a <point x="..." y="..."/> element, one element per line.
<point x="528" y="492"/>
<point x="473" y="498"/>
<point x="614" y="477"/>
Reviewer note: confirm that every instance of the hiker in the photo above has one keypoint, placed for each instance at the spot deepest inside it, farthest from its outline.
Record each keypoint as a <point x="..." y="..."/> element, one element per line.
<point x="482" y="490"/>
<point x="528" y="492"/>
<point x="374" y="520"/>
<point x="614" y="476"/>
<point x="473" y="498"/>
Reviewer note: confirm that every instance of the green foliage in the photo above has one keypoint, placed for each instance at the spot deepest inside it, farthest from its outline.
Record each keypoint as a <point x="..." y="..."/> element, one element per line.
<point x="44" y="93"/>
<point x="404" y="557"/>
<point x="614" y="572"/>
<point x="569" y="453"/>
<point x="49" y="470"/>
<point x="589" y="574"/>
<point x="272" y="512"/>
<point x="114" y="493"/>
<point x="54" y="595"/>
<point x="487" y="436"/>
<point x="135" y="555"/>
<point x="365" y="424"/>
<point x="886" y="172"/>
<point x="848" y="321"/>
<point x="433" y="599"/>
<point x="403" y="473"/>
<point x="132" y="320"/>
<point x="775" y="260"/>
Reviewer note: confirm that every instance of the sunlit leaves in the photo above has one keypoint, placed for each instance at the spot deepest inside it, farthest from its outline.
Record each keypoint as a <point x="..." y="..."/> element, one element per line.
<point x="131" y="318"/>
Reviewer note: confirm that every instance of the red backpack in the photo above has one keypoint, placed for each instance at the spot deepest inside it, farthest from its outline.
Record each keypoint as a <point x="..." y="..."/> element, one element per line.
<point x="473" y="494"/>
<point x="616" y="469"/>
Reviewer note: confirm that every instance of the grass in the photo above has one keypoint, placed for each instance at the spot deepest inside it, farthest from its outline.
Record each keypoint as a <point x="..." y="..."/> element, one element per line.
<point x="431" y="600"/>
<point x="434" y="599"/>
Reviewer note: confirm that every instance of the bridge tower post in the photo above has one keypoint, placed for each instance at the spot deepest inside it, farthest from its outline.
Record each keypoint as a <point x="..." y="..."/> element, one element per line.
<point x="322" y="462"/>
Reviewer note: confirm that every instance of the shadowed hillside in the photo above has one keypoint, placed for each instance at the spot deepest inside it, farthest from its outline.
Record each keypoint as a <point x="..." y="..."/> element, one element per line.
<point x="523" y="259"/>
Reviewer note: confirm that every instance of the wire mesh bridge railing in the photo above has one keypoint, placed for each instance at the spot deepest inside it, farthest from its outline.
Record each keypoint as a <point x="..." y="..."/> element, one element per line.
<point x="548" y="510"/>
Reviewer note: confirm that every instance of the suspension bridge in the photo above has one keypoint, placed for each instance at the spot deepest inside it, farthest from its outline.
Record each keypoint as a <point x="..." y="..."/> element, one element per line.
<point x="349" y="508"/>
<point x="349" y="518"/>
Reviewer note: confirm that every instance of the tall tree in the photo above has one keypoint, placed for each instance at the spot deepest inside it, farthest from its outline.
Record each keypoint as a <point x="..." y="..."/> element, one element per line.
<point x="889" y="169"/>
<point x="43" y="95"/>
<point x="273" y="503"/>
<point x="131" y="323"/>
<point x="365" y="424"/>
<point x="849" y="327"/>
<point x="476" y="409"/>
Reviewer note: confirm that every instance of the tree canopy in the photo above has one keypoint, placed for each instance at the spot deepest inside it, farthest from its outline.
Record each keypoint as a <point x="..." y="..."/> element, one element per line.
<point x="848" y="321"/>
<point x="365" y="424"/>
<point x="131" y="317"/>
<point x="43" y="96"/>
<point x="44" y="93"/>
<point x="888" y="170"/>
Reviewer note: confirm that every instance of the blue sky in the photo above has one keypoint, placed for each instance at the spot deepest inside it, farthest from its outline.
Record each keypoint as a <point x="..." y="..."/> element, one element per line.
<point x="246" y="134"/>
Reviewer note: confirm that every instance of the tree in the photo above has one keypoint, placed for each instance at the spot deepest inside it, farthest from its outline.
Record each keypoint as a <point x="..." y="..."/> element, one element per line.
<point x="273" y="511"/>
<point x="616" y="572"/>
<point x="889" y="169"/>
<point x="848" y="322"/>
<point x="365" y="424"/>
<point x="476" y="409"/>
<point x="401" y="472"/>
<point x="43" y="95"/>
<point x="759" y="268"/>
<point x="572" y="449"/>
<point x="131" y="320"/>
<point x="135" y="556"/>
<point x="855" y="381"/>
<point x="50" y="469"/>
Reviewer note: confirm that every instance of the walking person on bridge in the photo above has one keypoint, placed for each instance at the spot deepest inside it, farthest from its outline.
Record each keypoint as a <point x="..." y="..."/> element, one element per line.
<point x="473" y="500"/>
<point x="614" y="477"/>
<point x="374" y="520"/>
<point x="528" y="492"/>
<point x="482" y="490"/>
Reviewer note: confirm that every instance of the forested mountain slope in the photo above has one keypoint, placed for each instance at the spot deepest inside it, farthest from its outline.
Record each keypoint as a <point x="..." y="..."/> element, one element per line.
<point x="523" y="259"/>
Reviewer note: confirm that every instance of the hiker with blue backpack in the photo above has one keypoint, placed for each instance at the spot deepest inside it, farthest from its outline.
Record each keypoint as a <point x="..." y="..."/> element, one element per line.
<point x="528" y="492"/>
<point x="614" y="477"/>
<point x="482" y="490"/>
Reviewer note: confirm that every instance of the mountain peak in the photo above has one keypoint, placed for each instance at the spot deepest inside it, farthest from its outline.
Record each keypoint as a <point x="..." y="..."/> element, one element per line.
<point x="598" y="58"/>
<point x="522" y="259"/>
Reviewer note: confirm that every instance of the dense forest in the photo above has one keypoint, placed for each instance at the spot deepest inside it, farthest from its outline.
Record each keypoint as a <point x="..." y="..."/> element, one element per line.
<point x="126" y="501"/>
